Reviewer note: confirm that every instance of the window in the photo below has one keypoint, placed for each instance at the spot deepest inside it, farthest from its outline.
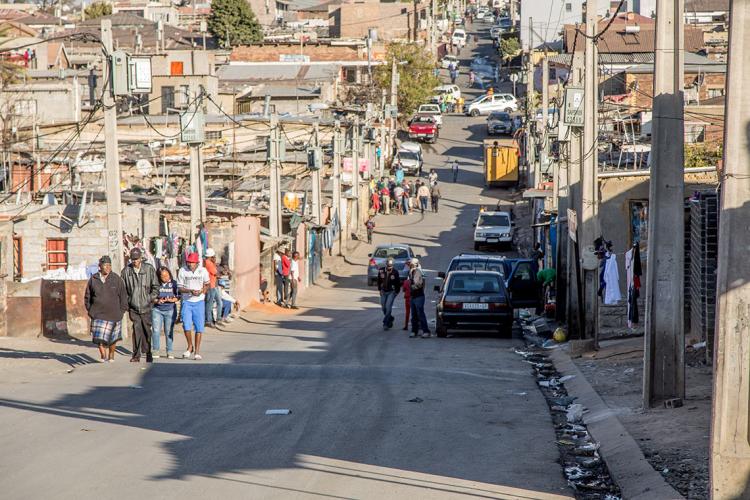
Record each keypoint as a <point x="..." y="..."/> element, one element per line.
<point x="568" y="7"/>
<point x="167" y="99"/>
<point x="57" y="254"/>
<point x="183" y="96"/>
<point x="396" y="253"/>
<point x="213" y="135"/>
<point x="17" y="258"/>
<point x="176" y="68"/>
<point x="471" y="283"/>
<point x="523" y="272"/>
<point x="715" y="93"/>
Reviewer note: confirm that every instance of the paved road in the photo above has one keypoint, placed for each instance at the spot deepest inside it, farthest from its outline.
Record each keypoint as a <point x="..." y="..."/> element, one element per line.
<point x="185" y="429"/>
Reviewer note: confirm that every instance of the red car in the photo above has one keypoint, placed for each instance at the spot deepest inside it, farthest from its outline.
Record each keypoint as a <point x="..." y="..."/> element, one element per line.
<point x="423" y="128"/>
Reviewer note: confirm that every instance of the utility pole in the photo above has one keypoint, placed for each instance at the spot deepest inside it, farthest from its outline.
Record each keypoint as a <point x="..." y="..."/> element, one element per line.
<point x="730" y="451"/>
<point x="588" y="216"/>
<point x="316" y="212"/>
<point x="355" y="171"/>
<point x="513" y="14"/>
<point x="574" y="290"/>
<point x="337" y="180"/>
<point x="112" y="161"/>
<point x="545" y="122"/>
<point x="197" y="193"/>
<point x="530" y="147"/>
<point x="433" y="27"/>
<point x="664" y="364"/>
<point x="274" y="149"/>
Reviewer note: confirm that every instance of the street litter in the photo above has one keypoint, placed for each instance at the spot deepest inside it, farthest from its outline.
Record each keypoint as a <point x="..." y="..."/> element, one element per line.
<point x="575" y="473"/>
<point x="588" y="449"/>
<point x="566" y="378"/>
<point x="629" y="370"/>
<point x="280" y="411"/>
<point x="415" y="400"/>
<point x="575" y="413"/>
<point x="135" y="386"/>
<point x="699" y="345"/>
<point x="519" y="393"/>
<point x="550" y="344"/>
<point x="589" y="463"/>
<point x="563" y="401"/>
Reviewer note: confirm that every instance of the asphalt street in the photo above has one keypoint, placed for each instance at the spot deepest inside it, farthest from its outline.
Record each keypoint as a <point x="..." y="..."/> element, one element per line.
<point x="374" y="414"/>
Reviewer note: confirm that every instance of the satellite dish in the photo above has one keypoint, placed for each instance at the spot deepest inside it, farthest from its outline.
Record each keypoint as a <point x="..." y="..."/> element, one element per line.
<point x="144" y="167"/>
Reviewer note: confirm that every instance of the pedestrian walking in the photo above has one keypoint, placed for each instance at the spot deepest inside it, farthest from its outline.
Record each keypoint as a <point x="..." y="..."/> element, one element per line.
<point x="389" y="283"/>
<point x="454" y="76"/>
<point x="423" y="193"/>
<point x="406" y="288"/>
<point x="375" y="202"/>
<point x="164" y="314"/>
<point x="472" y="77"/>
<point x="370" y="226"/>
<point x="454" y="169"/>
<point x="106" y="300"/>
<point x="435" y="196"/>
<point x="433" y="177"/>
<point x="386" y="200"/>
<point x="398" y="195"/>
<point x="399" y="174"/>
<point x="278" y="277"/>
<point x="286" y="269"/>
<point x="142" y="287"/>
<point x="213" y="296"/>
<point x="417" y="284"/>
<point x="295" y="278"/>
<point x="192" y="283"/>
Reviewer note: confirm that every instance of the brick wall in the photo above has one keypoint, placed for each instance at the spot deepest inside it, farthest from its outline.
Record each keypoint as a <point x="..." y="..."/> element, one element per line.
<point x="645" y="82"/>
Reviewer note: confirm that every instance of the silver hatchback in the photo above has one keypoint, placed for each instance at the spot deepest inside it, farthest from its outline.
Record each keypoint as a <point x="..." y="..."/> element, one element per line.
<point x="401" y="255"/>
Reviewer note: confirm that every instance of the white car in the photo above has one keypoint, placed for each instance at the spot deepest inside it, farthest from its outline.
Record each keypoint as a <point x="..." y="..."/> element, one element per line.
<point x="481" y="14"/>
<point x="409" y="156"/>
<point x="448" y="60"/>
<point x="432" y="110"/>
<point x="493" y="228"/>
<point x="486" y="104"/>
<point x="459" y="38"/>
<point x="453" y="90"/>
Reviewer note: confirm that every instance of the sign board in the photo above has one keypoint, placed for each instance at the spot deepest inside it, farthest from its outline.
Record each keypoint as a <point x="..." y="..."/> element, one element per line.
<point x="573" y="107"/>
<point x="572" y="224"/>
<point x="513" y="77"/>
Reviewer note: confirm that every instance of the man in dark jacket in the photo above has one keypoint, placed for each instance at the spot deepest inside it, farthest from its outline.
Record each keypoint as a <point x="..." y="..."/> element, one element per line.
<point x="389" y="285"/>
<point x="142" y="286"/>
<point x="106" y="301"/>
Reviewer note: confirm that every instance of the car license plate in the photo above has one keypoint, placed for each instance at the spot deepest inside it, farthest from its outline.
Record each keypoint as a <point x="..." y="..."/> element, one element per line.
<point x="473" y="306"/>
<point x="492" y="240"/>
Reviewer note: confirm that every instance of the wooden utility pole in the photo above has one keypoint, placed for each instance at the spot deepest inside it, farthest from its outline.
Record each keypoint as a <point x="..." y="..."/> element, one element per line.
<point x="274" y="151"/>
<point x="664" y="365"/>
<point x="730" y="429"/>
<point x="112" y="161"/>
<point x="316" y="197"/>
<point x="588" y="216"/>
<point x="337" y="182"/>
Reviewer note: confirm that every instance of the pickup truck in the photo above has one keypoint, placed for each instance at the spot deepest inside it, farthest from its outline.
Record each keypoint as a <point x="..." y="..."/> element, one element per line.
<point x="423" y="128"/>
<point x="432" y="110"/>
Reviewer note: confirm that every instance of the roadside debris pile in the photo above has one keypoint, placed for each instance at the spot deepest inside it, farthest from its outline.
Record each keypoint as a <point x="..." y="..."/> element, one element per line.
<point x="584" y="468"/>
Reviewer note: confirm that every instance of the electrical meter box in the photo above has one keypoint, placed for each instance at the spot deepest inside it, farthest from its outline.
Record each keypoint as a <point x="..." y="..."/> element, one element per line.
<point x="314" y="158"/>
<point x="139" y="75"/>
<point x="192" y="125"/>
<point x="119" y="73"/>
<point x="573" y="109"/>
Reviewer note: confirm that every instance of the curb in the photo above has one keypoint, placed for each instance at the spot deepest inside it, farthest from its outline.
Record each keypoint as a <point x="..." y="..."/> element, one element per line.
<point x="627" y="465"/>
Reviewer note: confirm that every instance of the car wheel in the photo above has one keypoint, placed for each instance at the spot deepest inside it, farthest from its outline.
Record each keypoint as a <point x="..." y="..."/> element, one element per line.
<point x="474" y="112"/>
<point x="440" y="329"/>
<point x="476" y="246"/>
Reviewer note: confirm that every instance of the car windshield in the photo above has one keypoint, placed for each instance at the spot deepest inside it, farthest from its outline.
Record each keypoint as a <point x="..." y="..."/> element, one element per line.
<point x="479" y="99"/>
<point x="474" y="284"/>
<point x="493" y="220"/>
<point x="429" y="108"/>
<point x="396" y="253"/>
<point x="423" y="119"/>
<point x="408" y="155"/>
<point x="459" y="35"/>
<point x="500" y="116"/>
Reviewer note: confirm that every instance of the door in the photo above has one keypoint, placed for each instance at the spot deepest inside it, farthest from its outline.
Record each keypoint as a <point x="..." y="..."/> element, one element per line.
<point x="523" y="287"/>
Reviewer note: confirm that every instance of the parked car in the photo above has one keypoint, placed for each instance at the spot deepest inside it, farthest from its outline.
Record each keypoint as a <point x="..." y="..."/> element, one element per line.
<point x="423" y="128"/>
<point x="493" y="228"/>
<point x="481" y="13"/>
<point x="499" y="122"/>
<point x="486" y="104"/>
<point x="495" y="32"/>
<point x="458" y="38"/>
<point x="410" y="158"/>
<point x="505" y="24"/>
<point x="474" y="300"/>
<point x="447" y="60"/>
<point x="401" y="255"/>
<point x="454" y="90"/>
<point x="433" y="110"/>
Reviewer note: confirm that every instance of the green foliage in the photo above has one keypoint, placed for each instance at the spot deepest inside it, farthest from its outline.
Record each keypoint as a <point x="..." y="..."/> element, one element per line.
<point x="98" y="9"/>
<point x="233" y="19"/>
<point x="703" y="154"/>
<point x="417" y="79"/>
<point x="509" y="47"/>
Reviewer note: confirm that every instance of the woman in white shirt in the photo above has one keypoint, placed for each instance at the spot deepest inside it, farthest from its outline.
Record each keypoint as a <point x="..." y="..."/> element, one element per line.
<point x="294" y="279"/>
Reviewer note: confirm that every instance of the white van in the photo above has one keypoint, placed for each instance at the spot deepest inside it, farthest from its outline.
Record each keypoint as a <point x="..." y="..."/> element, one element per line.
<point x="459" y="38"/>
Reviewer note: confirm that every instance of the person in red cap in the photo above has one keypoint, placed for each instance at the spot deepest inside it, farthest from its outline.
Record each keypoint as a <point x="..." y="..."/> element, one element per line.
<point x="192" y="282"/>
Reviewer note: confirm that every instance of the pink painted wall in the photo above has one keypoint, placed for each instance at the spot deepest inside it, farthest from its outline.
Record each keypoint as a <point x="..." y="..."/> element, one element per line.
<point x="246" y="279"/>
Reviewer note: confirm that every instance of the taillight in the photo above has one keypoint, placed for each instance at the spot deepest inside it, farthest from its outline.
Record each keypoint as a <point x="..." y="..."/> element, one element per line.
<point x="494" y="306"/>
<point x="373" y="263"/>
<point x="451" y="305"/>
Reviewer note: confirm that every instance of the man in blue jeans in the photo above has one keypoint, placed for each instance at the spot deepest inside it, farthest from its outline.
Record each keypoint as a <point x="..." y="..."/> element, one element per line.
<point x="389" y="285"/>
<point x="193" y="284"/>
<point x="418" y="318"/>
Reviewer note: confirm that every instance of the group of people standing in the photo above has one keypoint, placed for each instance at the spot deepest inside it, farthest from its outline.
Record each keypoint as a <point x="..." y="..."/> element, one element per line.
<point x="287" y="276"/>
<point x="389" y="286"/>
<point x="151" y="299"/>
<point x="399" y="195"/>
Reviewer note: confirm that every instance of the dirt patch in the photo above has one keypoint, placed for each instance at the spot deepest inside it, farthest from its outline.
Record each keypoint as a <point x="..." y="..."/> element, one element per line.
<point x="674" y="441"/>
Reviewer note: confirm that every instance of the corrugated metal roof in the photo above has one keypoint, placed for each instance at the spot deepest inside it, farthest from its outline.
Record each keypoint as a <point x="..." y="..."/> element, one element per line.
<point x="278" y="72"/>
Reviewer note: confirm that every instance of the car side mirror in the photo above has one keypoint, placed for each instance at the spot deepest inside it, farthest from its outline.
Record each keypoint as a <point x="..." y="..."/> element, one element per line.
<point x="441" y="275"/>
<point x="419" y="257"/>
<point x="513" y="224"/>
<point x="437" y="288"/>
<point x="369" y="255"/>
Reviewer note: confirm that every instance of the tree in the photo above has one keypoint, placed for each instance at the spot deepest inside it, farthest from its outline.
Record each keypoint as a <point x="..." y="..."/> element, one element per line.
<point x="98" y="9"/>
<point x="234" y="22"/>
<point x="509" y="47"/>
<point x="416" y="70"/>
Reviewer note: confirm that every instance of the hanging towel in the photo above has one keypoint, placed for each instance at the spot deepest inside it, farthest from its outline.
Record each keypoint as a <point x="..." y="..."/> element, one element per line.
<point x="612" y="279"/>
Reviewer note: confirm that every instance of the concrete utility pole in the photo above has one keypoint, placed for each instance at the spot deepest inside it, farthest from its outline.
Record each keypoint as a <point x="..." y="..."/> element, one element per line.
<point x="275" y="177"/>
<point x="433" y="27"/>
<point x="589" y="214"/>
<point x="316" y="197"/>
<point x="513" y="14"/>
<point x="664" y="365"/>
<point x="530" y="148"/>
<point x="355" y="171"/>
<point x="730" y="431"/>
<point x="197" y="192"/>
<point x="543" y="157"/>
<point x="574" y="291"/>
<point x="112" y="162"/>
<point x="337" y="181"/>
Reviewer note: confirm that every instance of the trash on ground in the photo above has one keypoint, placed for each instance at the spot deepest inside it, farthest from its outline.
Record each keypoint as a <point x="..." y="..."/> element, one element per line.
<point x="520" y="393"/>
<point x="279" y="411"/>
<point x="563" y="401"/>
<point x="699" y="345"/>
<point x="566" y="378"/>
<point x="415" y="400"/>
<point x="575" y="473"/>
<point x="629" y="370"/>
<point x="575" y="413"/>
